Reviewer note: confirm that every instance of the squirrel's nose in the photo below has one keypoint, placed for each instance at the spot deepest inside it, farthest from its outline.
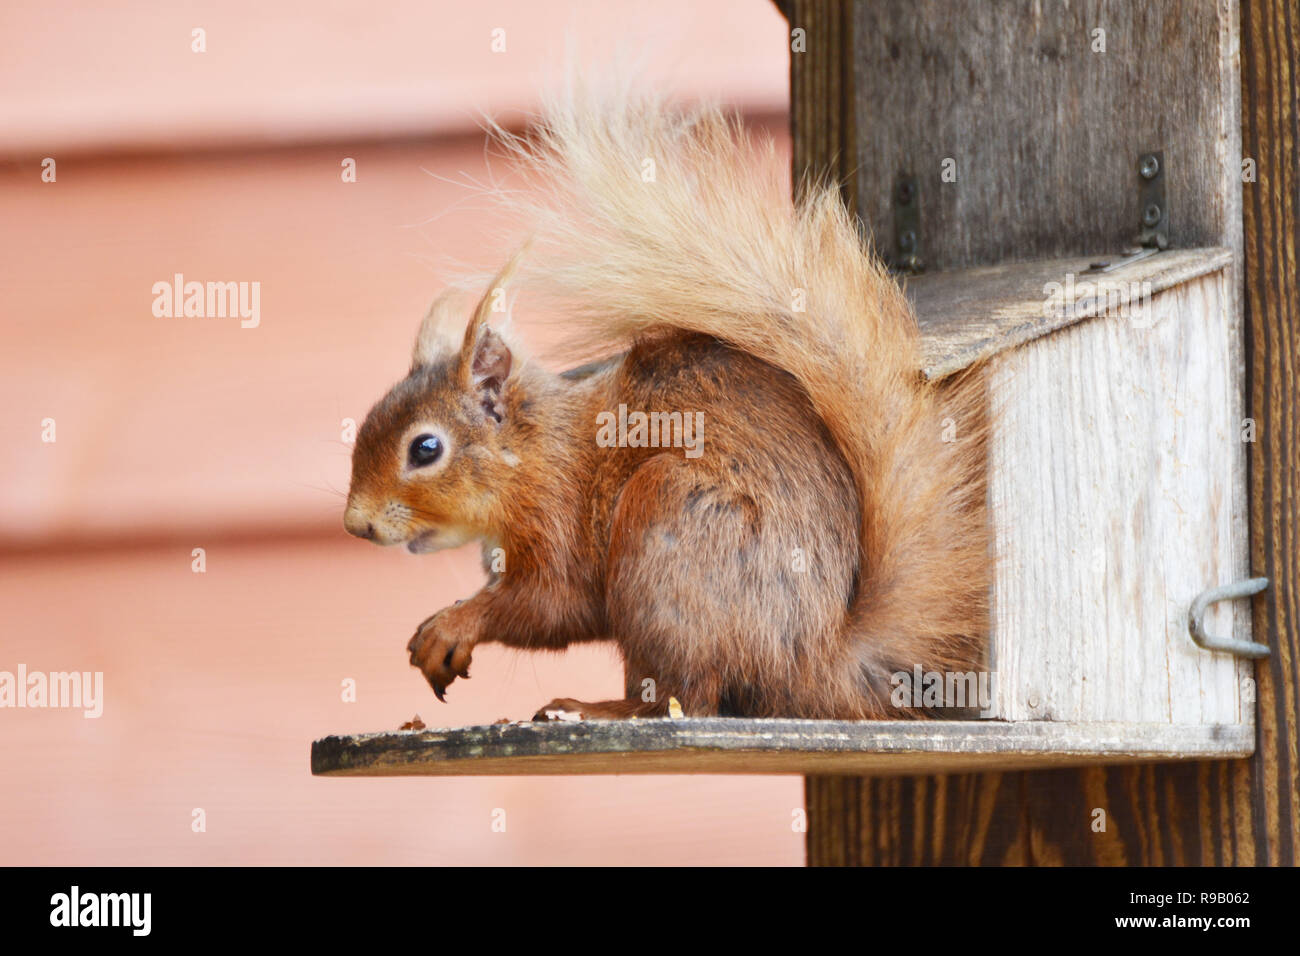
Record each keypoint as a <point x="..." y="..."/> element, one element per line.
<point x="356" y="523"/>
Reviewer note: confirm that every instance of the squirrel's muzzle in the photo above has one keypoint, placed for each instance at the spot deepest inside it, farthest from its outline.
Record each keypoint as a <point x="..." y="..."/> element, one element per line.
<point x="357" y="523"/>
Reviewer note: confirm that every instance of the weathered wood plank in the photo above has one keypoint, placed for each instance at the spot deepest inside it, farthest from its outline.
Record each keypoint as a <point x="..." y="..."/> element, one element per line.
<point x="971" y="314"/>
<point x="1117" y="486"/>
<point x="723" y="745"/>
<point x="1043" y="132"/>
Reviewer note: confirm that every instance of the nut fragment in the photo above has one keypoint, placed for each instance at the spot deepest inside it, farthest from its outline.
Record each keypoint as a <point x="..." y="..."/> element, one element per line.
<point x="415" y="723"/>
<point x="675" y="709"/>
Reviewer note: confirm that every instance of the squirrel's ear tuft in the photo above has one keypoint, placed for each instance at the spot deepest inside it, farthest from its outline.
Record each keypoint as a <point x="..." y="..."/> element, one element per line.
<point x="494" y="302"/>
<point x="436" y="339"/>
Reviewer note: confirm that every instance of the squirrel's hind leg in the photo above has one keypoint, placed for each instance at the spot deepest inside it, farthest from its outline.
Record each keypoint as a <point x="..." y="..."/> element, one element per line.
<point x="645" y="698"/>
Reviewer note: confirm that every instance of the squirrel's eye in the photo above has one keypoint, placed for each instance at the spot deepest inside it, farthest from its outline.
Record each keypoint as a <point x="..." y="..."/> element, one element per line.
<point x="424" y="450"/>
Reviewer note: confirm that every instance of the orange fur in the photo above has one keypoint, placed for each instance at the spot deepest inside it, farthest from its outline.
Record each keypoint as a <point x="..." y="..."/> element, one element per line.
<point x="826" y="536"/>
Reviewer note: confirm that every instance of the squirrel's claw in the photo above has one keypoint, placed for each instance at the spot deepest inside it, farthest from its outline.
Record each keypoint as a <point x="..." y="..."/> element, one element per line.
<point x="441" y="652"/>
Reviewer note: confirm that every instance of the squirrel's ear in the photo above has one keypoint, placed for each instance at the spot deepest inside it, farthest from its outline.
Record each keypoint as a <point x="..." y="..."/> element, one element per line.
<point x="435" y="339"/>
<point x="486" y="358"/>
<point x="487" y="367"/>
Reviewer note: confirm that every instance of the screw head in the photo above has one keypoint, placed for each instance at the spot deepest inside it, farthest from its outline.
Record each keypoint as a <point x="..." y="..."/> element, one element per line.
<point x="1151" y="215"/>
<point x="1148" y="166"/>
<point x="907" y="241"/>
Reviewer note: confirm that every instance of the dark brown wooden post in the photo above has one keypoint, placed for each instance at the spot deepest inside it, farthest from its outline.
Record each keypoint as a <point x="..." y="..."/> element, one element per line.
<point x="881" y="83"/>
<point x="1270" y="135"/>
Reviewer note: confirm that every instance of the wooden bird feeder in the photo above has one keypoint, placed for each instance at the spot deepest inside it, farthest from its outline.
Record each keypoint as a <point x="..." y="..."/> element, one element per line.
<point x="1072" y="218"/>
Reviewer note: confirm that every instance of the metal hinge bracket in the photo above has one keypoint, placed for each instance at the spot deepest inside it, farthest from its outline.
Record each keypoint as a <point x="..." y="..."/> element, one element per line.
<point x="1153" y="206"/>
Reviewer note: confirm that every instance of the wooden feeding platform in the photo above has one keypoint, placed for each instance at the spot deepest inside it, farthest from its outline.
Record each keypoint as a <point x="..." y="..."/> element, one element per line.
<point x="1111" y="514"/>
<point x="735" y="745"/>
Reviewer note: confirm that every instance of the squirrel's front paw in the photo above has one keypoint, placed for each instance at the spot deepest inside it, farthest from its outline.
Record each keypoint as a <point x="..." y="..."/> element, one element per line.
<point x="441" y="652"/>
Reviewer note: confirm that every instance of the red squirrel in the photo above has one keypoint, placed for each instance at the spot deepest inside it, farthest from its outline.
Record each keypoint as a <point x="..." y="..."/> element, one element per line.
<point x="811" y="520"/>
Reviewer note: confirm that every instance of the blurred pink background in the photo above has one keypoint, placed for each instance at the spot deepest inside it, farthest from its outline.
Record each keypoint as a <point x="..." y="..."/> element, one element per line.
<point x="183" y="433"/>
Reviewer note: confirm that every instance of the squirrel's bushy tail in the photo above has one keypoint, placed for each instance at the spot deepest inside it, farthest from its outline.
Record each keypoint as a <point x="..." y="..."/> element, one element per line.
<point x="653" y="217"/>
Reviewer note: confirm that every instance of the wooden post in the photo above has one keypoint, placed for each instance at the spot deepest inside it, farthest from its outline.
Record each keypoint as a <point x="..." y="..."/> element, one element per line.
<point x="1270" y="115"/>
<point x="879" y="86"/>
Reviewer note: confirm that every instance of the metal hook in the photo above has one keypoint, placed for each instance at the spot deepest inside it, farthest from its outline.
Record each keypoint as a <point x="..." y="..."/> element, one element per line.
<point x="1196" y="618"/>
